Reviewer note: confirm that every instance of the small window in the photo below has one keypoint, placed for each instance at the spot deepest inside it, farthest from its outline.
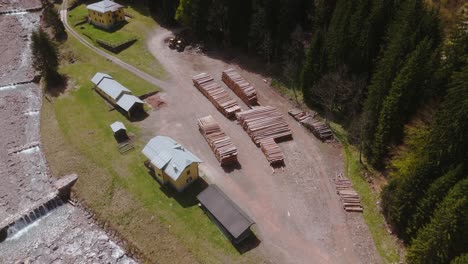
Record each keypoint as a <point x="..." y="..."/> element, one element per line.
<point x="188" y="172"/>
<point x="189" y="180"/>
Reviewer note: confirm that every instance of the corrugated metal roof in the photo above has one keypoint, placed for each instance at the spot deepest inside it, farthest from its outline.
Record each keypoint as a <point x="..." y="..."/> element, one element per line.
<point x="104" y="6"/>
<point x="116" y="126"/>
<point x="99" y="76"/>
<point x="113" y="88"/>
<point x="233" y="219"/>
<point x="127" y="101"/>
<point x="168" y="155"/>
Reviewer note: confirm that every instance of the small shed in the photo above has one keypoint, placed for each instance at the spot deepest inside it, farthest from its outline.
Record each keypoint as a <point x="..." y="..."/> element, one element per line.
<point x="119" y="130"/>
<point x="232" y="220"/>
<point x="132" y="105"/>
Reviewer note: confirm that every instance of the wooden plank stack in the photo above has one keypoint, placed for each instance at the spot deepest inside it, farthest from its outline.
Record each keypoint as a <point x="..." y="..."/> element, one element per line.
<point x="240" y="86"/>
<point x="300" y="115"/>
<point x="321" y="130"/>
<point x="216" y="94"/>
<point x="348" y="195"/>
<point x="262" y="122"/>
<point x="272" y="151"/>
<point x="220" y="143"/>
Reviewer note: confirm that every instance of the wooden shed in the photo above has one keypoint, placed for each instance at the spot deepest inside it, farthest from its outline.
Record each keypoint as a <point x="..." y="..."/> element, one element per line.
<point x="233" y="221"/>
<point x="119" y="130"/>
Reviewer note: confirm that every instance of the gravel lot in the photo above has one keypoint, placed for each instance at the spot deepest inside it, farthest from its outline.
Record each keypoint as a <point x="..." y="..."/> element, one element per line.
<point x="298" y="214"/>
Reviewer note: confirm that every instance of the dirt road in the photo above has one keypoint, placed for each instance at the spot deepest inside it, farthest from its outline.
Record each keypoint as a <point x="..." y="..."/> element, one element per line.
<point x="298" y="215"/>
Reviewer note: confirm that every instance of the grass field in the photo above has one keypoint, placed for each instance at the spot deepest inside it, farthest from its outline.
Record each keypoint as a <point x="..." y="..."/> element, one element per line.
<point x="386" y="245"/>
<point x="139" y="26"/>
<point x="166" y="227"/>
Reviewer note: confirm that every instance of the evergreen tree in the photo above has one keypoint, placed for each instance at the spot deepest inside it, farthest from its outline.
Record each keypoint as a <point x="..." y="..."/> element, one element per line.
<point x="45" y="57"/>
<point x="445" y="149"/>
<point x="402" y="37"/>
<point x="445" y="236"/>
<point x="52" y="19"/>
<point x="408" y="83"/>
<point x="462" y="259"/>
<point x="312" y="68"/>
<point x="434" y="194"/>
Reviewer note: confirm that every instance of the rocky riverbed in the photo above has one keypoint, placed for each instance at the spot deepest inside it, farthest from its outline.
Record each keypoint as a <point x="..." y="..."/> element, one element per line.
<point x="66" y="234"/>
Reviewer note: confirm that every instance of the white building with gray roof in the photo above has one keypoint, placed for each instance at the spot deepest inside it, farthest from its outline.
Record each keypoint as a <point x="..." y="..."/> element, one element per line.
<point x="117" y="94"/>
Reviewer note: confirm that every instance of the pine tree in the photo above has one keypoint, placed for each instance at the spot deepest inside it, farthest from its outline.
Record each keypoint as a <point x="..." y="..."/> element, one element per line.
<point x="445" y="149"/>
<point x="313" y="66"/>
<point x="445" y="236"/>
<point x="462" y="259"/>
<point x="52" y="19"/>
<point x="402" y="37"/>
<point x="408" y="83"/>
<point x="45" y="57"/>
<point x="434" y="194"/>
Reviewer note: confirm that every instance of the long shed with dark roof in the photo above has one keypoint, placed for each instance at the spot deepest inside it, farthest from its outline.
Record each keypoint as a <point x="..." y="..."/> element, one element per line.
<point x="232" y="220"/>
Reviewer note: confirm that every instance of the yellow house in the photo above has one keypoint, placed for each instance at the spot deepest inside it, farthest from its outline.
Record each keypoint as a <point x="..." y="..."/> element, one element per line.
<point x="171" y="162"/>
<point x="106" y="14"/>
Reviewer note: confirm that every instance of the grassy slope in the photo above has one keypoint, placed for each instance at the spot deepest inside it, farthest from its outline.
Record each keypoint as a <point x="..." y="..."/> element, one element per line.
<point x="117" y="188"/>
<point x="139" y="27"/>
<point x="386" y="245"/>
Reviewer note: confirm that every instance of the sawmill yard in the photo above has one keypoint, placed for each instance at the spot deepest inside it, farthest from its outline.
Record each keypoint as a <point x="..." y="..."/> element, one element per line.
<point x="298" y="215"/>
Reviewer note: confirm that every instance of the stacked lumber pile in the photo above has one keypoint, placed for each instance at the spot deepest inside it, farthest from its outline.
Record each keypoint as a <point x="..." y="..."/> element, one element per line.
<point x="272" y="151"/>
<point x="300" y="115"/>
<point x="216" y="94"/>
<point x="262" y="122"/>
<point x="348" y="195"/>
<point x="240" y="86"/>
<point x="220" y="143"/>
<point x="321" y="130"/>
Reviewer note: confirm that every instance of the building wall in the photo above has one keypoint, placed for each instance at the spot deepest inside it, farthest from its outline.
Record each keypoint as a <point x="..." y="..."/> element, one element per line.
<point x="107" y="19"/>
<point x="160" y="175"/>
<point x="188" y="176"/>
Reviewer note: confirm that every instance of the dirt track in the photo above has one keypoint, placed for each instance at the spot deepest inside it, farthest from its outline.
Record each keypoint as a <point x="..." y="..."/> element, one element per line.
<point x="298" y="215"/>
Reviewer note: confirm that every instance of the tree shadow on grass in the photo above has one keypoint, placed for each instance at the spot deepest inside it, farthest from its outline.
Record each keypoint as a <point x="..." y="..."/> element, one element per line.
<point x="58" y="87"/>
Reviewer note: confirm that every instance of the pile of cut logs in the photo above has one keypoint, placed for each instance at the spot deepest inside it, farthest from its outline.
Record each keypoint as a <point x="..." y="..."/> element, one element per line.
<point x="262" y="122"/>
<point x="348" y="195"/>
<point x="272" y="151"/>
<point x="220" y="143"/>
<point x="240" y="86"/>
<point x="321" y="130"/>
<point x="216" y="94"/>
<point x="300" y="115"/>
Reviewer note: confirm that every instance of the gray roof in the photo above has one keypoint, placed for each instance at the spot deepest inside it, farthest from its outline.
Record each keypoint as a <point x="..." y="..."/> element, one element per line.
<point x="226" y="212"/>
<point x="116" y="126"/>
<point x="168" y="155"/>
<point x="113" y="88"/>
<point x="97" y="78"/>
<point x="104" y="6"/>
<point x="126" y="101"/>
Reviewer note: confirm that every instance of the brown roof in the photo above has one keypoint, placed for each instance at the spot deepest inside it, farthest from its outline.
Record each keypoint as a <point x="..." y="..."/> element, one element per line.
<point x="226" y="212"/>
